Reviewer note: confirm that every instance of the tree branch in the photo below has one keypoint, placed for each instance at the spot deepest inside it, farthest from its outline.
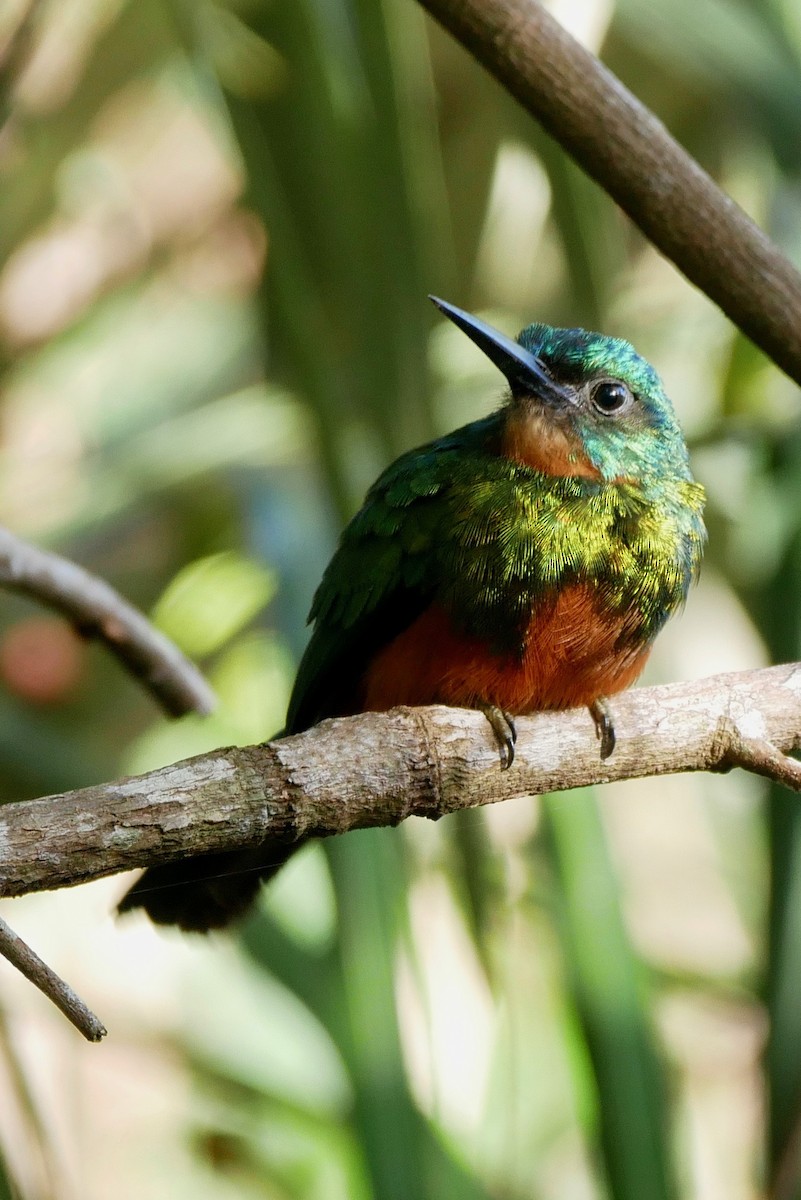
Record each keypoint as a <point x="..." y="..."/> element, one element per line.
<point x="623" y="146"/>
<point x="96" y="610"/>
<point x="379" y="768"/>
<point x="20" y="955"/>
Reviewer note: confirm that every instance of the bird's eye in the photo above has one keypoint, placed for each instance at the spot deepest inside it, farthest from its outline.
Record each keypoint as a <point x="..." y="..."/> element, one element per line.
<point x="611" y="397"/>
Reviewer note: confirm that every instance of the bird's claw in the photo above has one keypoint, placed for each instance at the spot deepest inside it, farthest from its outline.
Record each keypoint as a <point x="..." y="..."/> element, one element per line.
<point x="601" y="714"/>
<point x="503" y="726"/>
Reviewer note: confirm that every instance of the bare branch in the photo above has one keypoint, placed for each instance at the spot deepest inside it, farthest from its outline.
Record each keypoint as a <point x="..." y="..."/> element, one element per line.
<point x="763" y="758"/>
<point x="20" y="955"/>
<point x="96" y="610"/>
<point x="379" y="768"/>
<point x="623" y="146"/>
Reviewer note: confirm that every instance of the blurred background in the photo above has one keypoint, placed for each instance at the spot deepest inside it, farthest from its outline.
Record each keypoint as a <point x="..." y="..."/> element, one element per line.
<point x="218" y="226"/>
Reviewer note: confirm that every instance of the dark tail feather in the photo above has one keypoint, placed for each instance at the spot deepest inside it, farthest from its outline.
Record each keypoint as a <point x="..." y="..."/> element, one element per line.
<point x="206" y="892"/>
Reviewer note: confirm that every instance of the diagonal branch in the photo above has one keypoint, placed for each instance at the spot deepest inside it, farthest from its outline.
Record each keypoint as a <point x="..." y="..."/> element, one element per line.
<point x="97" y="611"/>
<point x="379" y="768"/>
<point x="625" y="149"/>
<point x="28" y="962"/>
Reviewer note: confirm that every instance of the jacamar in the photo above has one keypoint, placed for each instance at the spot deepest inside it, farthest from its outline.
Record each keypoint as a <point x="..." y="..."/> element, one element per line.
<point x="523" y="562"/>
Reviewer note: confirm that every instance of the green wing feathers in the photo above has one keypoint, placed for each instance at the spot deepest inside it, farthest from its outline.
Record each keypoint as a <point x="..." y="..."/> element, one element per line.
<point x="381" y="578"/>
<point x="458" y="523"/>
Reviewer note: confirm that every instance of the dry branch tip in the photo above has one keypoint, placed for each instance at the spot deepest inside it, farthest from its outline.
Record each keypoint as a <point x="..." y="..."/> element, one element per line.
<point x="36" y="970"/>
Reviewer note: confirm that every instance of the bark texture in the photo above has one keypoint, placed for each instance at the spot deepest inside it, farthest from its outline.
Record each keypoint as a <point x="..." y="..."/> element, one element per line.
<point x="379" y="768"/>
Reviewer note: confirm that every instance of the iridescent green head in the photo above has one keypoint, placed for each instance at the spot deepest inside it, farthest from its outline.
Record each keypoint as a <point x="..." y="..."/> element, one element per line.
<point x="614" y="401"/>
<point x="595" y="389"/>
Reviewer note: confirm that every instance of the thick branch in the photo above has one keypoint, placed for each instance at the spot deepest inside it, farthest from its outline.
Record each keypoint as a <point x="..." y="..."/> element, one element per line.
<point x="623" y="146"/>
<point x="96" y="610"/>
<point x="378" y="769"/>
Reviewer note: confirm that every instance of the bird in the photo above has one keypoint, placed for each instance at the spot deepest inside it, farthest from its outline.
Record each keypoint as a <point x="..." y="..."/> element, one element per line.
<point x="524" y="562"/>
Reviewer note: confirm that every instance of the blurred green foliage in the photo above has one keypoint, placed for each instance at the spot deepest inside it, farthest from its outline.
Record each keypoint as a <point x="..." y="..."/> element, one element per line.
<point x="218" y="225"/>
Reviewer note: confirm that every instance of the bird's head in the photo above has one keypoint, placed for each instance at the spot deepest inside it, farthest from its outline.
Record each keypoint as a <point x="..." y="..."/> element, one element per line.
<point x="582" y="403"/>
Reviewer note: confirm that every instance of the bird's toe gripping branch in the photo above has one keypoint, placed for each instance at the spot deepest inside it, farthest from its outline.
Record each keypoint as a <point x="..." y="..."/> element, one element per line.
<point x="601" y="714"/>
<point x="503" y="726"/>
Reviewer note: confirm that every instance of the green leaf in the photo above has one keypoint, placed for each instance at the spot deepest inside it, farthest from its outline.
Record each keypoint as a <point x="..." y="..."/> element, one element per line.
<point x="212" y="599"/>
<point x="613" y="1005"/>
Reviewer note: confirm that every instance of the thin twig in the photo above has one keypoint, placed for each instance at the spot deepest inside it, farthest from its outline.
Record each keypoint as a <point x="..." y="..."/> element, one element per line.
<point x="623" y="146"/>
<point x="97" y="611"/>
<point x="20" y="955"/>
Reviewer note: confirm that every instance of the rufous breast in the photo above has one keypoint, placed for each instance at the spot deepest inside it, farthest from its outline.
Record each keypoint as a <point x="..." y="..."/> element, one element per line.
<point x="572" y="652"/>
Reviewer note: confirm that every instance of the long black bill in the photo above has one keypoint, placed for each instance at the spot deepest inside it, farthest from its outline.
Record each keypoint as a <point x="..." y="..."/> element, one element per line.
<point x="524" y="370"/>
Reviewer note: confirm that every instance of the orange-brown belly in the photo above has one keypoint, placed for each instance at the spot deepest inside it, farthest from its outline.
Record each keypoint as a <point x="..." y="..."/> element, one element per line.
<point x="571" y="657"/>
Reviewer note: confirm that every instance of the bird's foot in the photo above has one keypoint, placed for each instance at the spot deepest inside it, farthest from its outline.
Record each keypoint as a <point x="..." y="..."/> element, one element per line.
<point x="601" y="714"/>
<point x="503" y="727"/>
